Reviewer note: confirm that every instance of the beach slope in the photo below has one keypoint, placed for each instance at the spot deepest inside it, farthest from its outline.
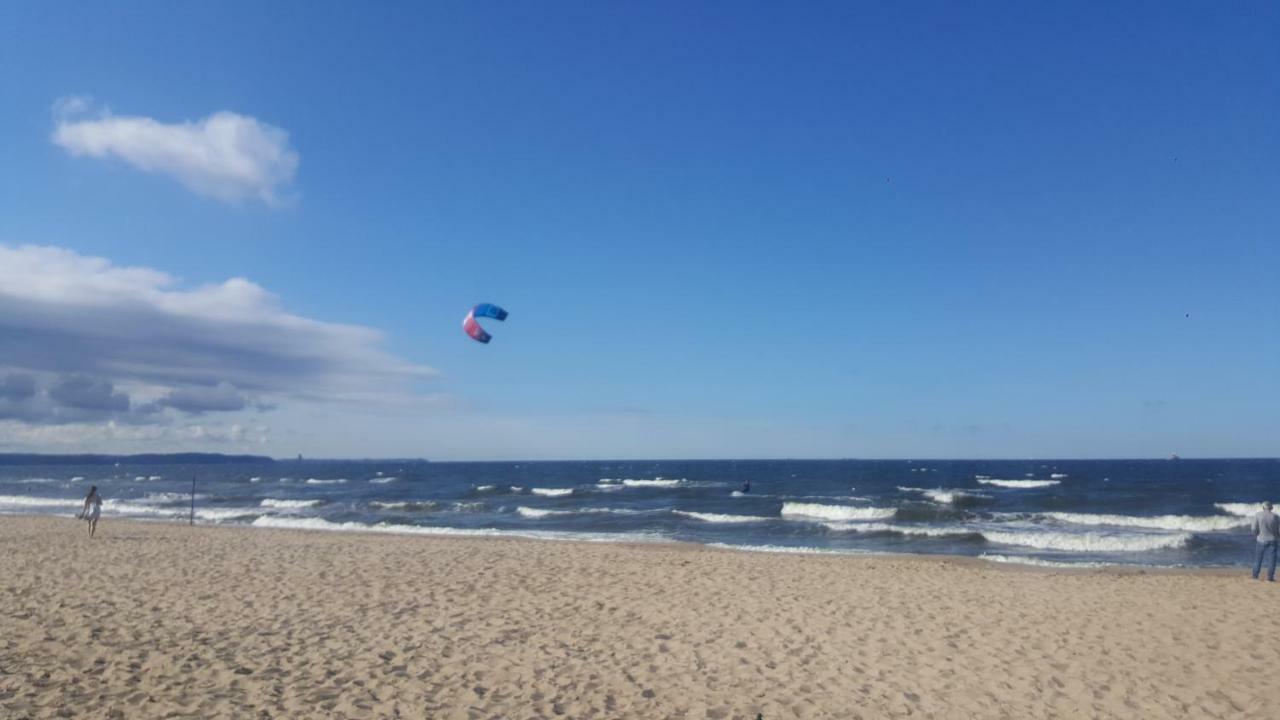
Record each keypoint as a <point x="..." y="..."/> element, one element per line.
<point x="158" y="620"/>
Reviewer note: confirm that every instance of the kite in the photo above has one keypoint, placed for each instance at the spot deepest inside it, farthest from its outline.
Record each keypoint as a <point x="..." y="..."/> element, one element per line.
<point x="473" y="328"/>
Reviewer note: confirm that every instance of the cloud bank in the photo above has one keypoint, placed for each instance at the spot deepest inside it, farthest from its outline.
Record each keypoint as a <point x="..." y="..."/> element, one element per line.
<point x="84" y="341"/>
<point x="226" y="156"/>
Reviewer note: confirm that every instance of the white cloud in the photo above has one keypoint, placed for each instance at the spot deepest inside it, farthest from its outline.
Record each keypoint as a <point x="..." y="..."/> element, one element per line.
<point x="226" y="156"/>
<point x="88" y="334"/>
<point x="111" y="436"/>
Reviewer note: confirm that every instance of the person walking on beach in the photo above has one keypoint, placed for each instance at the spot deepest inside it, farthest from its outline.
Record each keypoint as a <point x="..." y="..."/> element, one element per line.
<point x="92" y="509"/>
<point x="1266" y="528"/>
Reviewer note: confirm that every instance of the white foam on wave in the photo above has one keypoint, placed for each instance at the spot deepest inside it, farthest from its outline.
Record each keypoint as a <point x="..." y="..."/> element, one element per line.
<point x="1057" y="476"/>
<point x="36" y="480"/>
<point x="552" y="492"/>
<point x="219" y="514"/>
<point x="169" y="497"/>
<point x="28" y="501"/>
<point x="790" y="550"/>
<point x="289" y="504"/>
<point x="255" y="479"/>
<point x="486" y="488"/>
<point x="121" y="507"/>
<point x="268" y="521"/>
<point x="609" y="487"/>
<point x="132" y="509"/>
<point x="1019" y="484"/>
<point x="1245" y="510"/>
<point x="155" y="477"/>
<point x="655" y="482"/>
<point x="319" y="481"/>
<point x="835" y="512"/>
<point x="407" y="505"/>
<point x="78" y="478"/>
<point x="1038" y="562"/>
<point x="135" y="508"/>
<point x="1090" y="541"/>
<point x="922" y="530"/>
<point x="383" y="480"/>
<point x="541" y="513"/>
<point x="719" y="518"/>
<point x="939" y="495"/>
<point x="1189" y="523"/>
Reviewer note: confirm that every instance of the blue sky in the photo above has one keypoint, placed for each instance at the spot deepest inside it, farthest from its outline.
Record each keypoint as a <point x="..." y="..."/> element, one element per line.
<point x="722" y="230"/>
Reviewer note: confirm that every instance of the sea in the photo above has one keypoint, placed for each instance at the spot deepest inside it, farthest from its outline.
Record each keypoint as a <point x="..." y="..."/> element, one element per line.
<point x="1061" y="513"/>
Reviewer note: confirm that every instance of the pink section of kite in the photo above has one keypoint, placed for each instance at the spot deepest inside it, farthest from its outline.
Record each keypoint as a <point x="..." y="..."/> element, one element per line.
<point x="473" y="329"/>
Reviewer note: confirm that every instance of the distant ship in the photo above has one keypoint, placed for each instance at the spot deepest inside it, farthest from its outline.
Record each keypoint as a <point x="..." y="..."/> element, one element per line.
<point x="1174" y="456"/>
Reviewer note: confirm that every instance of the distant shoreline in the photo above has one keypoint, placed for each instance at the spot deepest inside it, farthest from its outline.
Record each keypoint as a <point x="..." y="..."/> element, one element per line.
<point x="140" y="459"/>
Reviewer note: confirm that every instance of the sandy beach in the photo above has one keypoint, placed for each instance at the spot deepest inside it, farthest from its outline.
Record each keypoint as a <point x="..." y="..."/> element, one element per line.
<point x="154" y="620"/>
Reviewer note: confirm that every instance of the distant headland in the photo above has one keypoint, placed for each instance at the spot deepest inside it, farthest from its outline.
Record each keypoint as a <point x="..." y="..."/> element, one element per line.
<point x="143" y="459"/>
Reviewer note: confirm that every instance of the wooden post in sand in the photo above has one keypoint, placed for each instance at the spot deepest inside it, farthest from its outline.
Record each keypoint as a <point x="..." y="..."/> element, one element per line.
<point x="193" y="499"/>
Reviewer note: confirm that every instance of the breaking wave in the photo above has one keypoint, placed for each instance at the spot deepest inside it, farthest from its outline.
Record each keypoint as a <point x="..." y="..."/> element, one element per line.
<point x="268" y="521"/>
<point x="1088" y="542"/>
<point x="290" y="504"/>
<point x="27" y="501"/>
<point x="920" y="530"/>
<point x="655" y="482"/>
<point x="1189" y="523"/>
<point x="946" y="497"/>
<point x="1245" y="510"/>
<point x="1019" y="484"/>
<point x="718" y="518"/>
<point x="409" y="505"/>
<point x="836" y="512"/>
<point x="552" y="492"/>
<point x="541" y="513"/>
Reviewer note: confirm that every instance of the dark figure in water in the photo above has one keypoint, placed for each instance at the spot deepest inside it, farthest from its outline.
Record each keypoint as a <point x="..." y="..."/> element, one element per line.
<point x="746" y="486"/>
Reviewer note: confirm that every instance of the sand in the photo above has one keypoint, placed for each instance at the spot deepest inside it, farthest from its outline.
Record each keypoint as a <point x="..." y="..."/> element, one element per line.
<point x="158" y="620"/>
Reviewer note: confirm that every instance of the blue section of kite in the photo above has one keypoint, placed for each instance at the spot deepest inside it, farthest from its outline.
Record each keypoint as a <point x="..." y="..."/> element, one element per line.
<point x="489" y="310"/>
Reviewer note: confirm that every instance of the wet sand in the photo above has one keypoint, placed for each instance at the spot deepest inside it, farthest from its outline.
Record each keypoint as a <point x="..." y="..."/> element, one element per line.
<point x="154" y="620"/>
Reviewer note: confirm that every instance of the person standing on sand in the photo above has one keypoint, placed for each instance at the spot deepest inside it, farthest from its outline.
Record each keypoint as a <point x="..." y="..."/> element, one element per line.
<point x="92" y="509"/>
<point x="1266" y="528"/>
